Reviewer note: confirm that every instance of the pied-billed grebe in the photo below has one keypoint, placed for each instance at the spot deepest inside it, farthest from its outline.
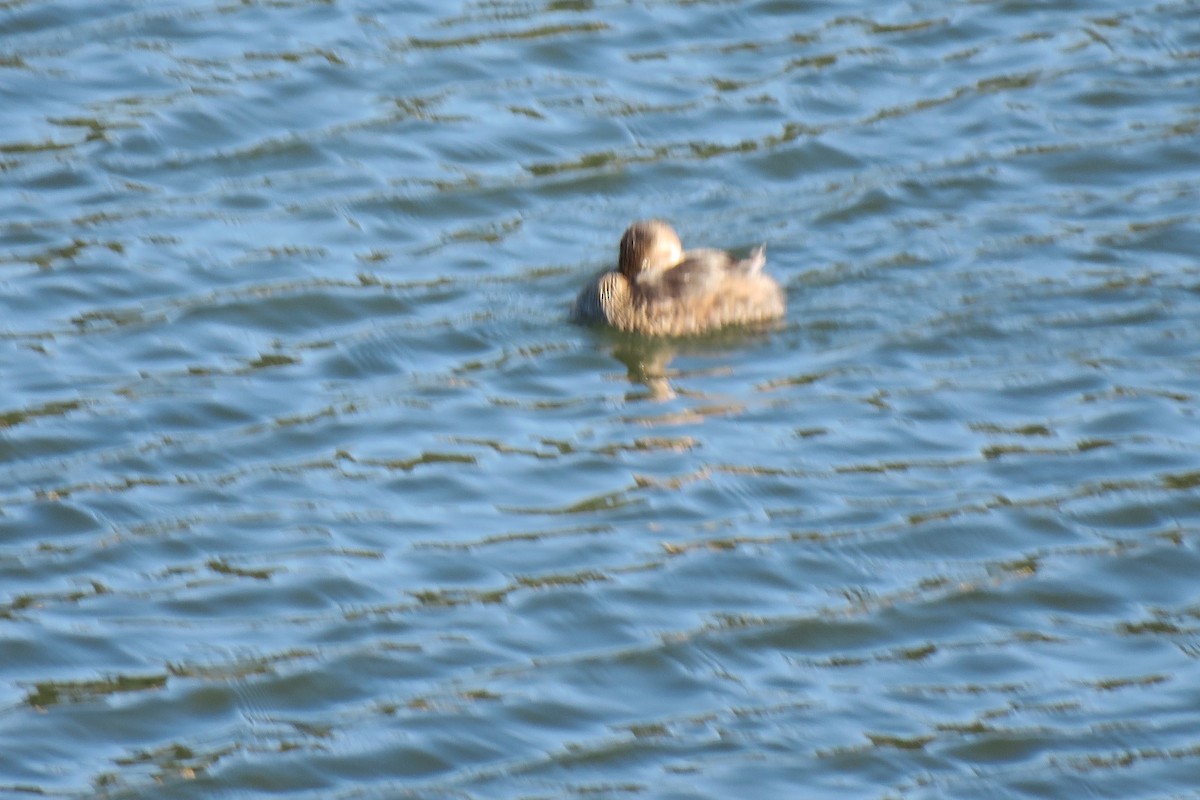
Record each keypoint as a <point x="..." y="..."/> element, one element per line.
<point x="660" y="290"/>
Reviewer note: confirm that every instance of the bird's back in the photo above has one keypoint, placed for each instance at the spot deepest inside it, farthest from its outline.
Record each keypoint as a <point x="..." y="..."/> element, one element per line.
<point x="709" y="289"/>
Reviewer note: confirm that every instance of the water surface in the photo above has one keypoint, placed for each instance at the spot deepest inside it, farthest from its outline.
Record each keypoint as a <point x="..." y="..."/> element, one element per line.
<point x="309" y="488"/>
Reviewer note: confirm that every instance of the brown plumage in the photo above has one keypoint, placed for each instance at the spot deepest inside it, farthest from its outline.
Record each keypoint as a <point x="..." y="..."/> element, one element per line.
<point x="660" y="290"/>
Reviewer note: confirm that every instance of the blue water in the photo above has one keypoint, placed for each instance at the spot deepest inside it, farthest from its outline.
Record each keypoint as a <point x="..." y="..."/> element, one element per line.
<point x="309" y="487"/>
